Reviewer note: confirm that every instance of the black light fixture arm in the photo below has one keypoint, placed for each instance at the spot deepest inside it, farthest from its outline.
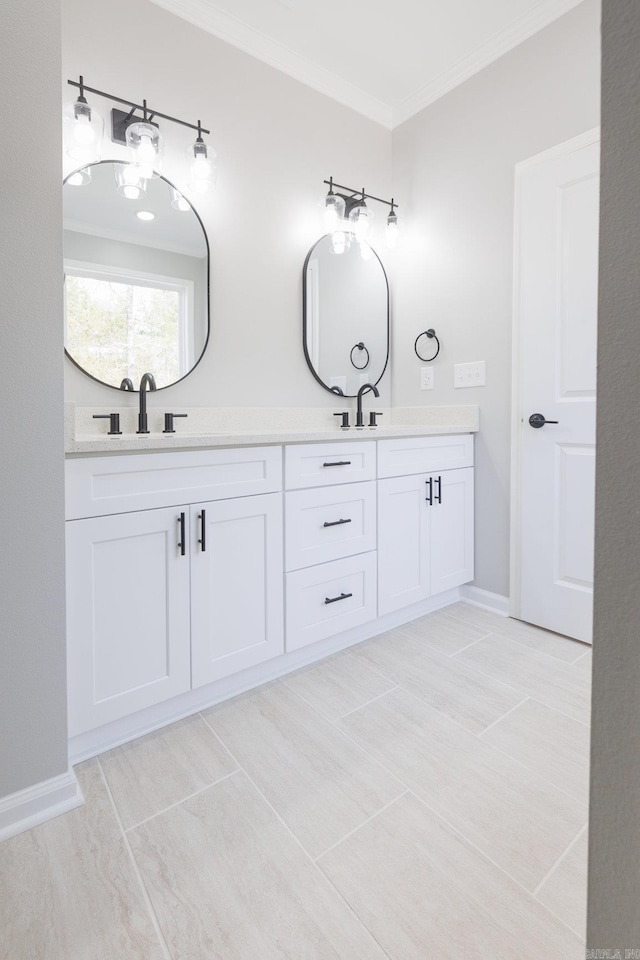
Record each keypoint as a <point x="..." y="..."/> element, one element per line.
<point x="360" y="194"/>
<point x="148" y="113"/>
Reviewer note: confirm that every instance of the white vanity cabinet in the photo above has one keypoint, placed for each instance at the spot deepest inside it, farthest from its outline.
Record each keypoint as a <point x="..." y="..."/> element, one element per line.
<point x="195" y="574"/>
<point x="236" y="585"/>
<point x="127" y="615"/>
<point x="167" y="599"/>
<point x="330" y="524"/>
<point x="425" y="520"/>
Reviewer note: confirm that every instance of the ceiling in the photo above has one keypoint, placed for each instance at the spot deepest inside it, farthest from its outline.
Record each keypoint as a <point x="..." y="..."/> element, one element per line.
<point x="387" y="60"/>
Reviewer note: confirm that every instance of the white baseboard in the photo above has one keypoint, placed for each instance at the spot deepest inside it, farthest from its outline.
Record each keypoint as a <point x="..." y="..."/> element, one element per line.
<point x="30" y="807"/>
<point x="111" y="735"/>
<point x="494" y="602"/>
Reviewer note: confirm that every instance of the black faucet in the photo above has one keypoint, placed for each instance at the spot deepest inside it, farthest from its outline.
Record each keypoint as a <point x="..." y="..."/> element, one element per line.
<point x="127" y="384"/>
<point x="146" y="380"/>
<point x="364" y="389"/>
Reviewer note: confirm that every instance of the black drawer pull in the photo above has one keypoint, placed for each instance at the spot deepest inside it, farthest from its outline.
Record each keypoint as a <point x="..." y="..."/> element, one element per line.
<point x="182" y="543"/>
<point x="439" y="493"/>
<point x="202" y="516"/>
<point x="335" y="523"/>
<point x="343" y="596"/>
<point x="338" y="463"/>
<point x="429" y="497"/>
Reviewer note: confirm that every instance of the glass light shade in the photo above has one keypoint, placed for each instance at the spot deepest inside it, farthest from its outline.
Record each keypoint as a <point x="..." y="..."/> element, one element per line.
<point x="366" y="252"/>
<point x="204" y="167"/>
<point x="129" y="181"/>
<point x="146" y="146"/>
<point x="361" y="219"/>
<point x="178" y="202"/>
<point x="333" y="212"/>
<point x="392" y="230"/>
<point x="79" y="178"/>
<point x="83" y="129"/>
<point x="338" y="242"/>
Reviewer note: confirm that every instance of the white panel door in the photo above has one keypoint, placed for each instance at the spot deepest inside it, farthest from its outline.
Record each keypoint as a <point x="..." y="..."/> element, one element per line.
<point x="127" y="614"/>
<point x="451" y="516"/>
<point x="236" y="585"/>
<point x="556" y="315"/>
<point x="404" y="574"/>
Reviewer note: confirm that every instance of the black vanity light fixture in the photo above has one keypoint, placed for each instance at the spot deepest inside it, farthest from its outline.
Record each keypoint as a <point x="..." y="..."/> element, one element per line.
<point x="137" y="128"/>
<point x="347" y="216"/>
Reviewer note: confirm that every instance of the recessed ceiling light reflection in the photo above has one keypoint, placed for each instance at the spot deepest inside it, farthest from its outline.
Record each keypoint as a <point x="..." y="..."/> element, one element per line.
<point x="145" y="215"/>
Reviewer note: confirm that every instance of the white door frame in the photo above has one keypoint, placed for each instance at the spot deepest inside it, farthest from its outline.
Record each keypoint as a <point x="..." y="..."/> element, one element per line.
<point x="569" y="146"/>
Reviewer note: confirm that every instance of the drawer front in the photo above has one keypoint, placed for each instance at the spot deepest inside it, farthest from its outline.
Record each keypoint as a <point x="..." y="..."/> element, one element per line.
<point x="399" y="458"/>
<point x="324" y="464"/>
<point x="350" y="587"/>
<point x="97" y="486"/>
<point x="324" y="525"/>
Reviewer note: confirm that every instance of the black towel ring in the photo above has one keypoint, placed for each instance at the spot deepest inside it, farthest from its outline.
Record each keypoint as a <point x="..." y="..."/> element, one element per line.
<point x="432" y="336"/>
<point x="359" y="346"/>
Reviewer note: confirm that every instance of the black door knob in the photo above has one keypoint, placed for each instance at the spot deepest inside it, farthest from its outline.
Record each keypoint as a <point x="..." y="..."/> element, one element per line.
<point x="538" y="420"/>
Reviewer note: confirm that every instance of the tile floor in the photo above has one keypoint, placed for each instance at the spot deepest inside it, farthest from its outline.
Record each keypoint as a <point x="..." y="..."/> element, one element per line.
<point x="422" y="794"/>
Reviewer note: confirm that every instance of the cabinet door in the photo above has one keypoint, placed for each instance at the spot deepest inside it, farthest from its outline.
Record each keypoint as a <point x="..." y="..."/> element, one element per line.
<point x="403" y="543"/>
<point x="451" y="532"/>
<point x="127" y="615"/>
<point x="236" y="585"/>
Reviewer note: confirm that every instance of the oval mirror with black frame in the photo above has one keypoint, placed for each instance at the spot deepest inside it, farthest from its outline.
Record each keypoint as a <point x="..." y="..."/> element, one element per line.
<point x="345" y="316"/>
<point x="136" y="287"/>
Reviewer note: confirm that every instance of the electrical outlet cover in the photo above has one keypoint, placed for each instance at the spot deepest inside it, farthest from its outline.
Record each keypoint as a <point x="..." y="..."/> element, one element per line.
<point x="426" y="378"/>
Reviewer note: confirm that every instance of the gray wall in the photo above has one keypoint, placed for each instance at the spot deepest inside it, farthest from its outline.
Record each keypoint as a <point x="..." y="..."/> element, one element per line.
<point x="32" y="667"/>
<point x="614" y="859"/>
<point x="453" y="169"/>
<point x="277" y="140"/>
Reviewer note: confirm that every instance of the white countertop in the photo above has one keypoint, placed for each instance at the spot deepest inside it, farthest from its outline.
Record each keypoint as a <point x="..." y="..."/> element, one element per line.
<point x="246" y="427"/>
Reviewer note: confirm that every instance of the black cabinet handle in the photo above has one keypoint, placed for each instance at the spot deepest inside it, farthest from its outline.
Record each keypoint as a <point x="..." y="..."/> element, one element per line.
<point x="429" y="497"/>
<point x="335" y="523"/>
<point x="338" y="463"/>
<point x="202" y="517"/>
<point x="438" y="495"/>
<point x="343" y="596"/>
<point x="182" y="543"/>
<point x="538" y="420"/>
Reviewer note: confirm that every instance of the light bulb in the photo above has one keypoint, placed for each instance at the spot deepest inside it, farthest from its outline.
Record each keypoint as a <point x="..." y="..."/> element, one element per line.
<point x="392" y="227"/>
<point x="333" y="211"/>
<point x="146" y="152"/>
<point x="178" y="202"/>
<point x="338" y="241"/>
<point x="145" y="144"/>
<point x="203" y="170"/>
<point x="361" y="218"/>
<point x="366" y="252"/>
<point x="129" y="180"/>
<point x="80" y="178"/>
<point x="82" y="131"/>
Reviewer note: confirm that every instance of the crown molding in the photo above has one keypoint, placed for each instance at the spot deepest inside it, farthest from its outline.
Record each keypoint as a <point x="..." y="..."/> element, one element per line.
<point x="240" y="35"/>
<point x="502" y="42"/>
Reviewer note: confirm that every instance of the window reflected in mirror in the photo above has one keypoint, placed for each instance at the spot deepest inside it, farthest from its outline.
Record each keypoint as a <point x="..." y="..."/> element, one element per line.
<point x="136" y="288"/>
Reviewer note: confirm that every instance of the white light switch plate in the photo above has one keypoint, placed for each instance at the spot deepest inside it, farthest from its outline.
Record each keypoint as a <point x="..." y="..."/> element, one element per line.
<point x="426" y="378"/>
<point x="470" y="374"/>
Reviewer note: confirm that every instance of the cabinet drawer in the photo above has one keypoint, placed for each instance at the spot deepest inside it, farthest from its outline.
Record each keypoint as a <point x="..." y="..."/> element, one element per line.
<point x="323" y="525"/>
<point x="311" y="618"/>
<point x="323" y="464"/>
<point x="402" y="457"/>
<point x="97" y="486"/>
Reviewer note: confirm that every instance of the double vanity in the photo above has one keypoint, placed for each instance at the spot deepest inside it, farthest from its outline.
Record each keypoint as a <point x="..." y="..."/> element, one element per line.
<point x="211" y="550"/>
<point x="202" y="565"/>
